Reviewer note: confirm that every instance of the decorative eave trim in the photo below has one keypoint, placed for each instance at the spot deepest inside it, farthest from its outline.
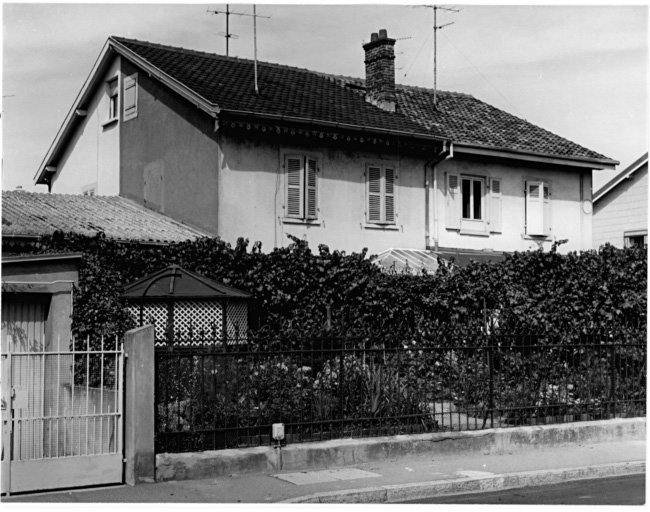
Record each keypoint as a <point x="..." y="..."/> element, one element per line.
<point x="514" y="154"/>
<point x="41" y="257"/>
<point x="614" y="182"/>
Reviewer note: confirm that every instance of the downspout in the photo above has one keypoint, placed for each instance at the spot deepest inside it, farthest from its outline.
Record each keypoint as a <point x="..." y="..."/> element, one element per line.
<point x="446" y="153"/>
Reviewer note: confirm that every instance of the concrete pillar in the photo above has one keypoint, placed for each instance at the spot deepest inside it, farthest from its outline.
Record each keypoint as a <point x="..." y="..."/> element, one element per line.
<point x="139" y="406"/>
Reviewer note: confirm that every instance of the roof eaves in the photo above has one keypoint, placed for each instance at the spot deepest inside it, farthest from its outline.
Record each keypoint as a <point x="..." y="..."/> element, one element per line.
<point x="624" y="174"/>
<point x="332" y="124"/>
<point x="590" y="163"/>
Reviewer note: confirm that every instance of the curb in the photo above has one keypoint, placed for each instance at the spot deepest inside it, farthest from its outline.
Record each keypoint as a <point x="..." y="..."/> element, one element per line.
<point x="421" y="490"/>
<point x="346" y="452"/>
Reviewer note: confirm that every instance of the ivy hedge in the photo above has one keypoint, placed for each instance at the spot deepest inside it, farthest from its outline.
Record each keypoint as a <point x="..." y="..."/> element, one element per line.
<point x="300" y="291"/>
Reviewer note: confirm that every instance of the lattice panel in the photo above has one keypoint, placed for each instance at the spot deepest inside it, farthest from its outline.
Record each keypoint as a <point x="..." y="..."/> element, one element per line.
<point x="204" y="318"/>
<point x="237" y="321"/>
<point x="153" y="313"/>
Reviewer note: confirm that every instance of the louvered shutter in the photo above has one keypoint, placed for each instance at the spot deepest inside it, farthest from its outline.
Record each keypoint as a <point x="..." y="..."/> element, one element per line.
<point x="374" y="194"/>
<point x="295" y="175"/>
<point x="130" y="102"/>
<point x="452" y="212"/>
<point x="546" y="208"/>
<point x="495" y="205"/>
<point x="534" y="209"/>
<point x="312" y="195"/>
<point x="389" y="196"/>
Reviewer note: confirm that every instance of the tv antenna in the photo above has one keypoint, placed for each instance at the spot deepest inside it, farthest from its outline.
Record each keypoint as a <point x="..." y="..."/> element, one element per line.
<point x="228" y="35"/>
<point x="437" y="27"/>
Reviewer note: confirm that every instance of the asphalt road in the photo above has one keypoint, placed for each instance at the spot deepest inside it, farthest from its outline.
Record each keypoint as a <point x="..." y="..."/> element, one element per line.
<point x="620" y="490"/>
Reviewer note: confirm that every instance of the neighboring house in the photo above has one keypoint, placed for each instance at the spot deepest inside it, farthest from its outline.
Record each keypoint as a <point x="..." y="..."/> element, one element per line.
<point x="621" y="208"/>
<point x="344" y="162"/>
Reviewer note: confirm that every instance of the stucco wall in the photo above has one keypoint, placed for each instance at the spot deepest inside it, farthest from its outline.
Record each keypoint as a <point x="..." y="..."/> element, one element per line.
<point x="625" y="208"/>
<point x="169" y="155"/>
<point x="91" y="157"/>
<point x="568" y="220"/>
<point x="252" y="197"/>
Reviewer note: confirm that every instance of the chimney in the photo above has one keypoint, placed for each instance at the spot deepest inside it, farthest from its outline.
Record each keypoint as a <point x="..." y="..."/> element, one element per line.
<point x="380" y="71"/>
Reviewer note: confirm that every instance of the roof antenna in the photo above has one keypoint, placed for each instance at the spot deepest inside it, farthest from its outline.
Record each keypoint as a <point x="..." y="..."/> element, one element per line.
<point x="437" y="27"/>
<point x="228" y="35"/>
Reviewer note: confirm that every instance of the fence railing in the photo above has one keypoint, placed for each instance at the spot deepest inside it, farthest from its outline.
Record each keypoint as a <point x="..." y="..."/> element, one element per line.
<point x="214" y="396"/>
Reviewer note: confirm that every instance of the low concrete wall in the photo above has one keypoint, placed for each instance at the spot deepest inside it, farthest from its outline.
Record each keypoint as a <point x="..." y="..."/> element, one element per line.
<point x="211" y="464"/>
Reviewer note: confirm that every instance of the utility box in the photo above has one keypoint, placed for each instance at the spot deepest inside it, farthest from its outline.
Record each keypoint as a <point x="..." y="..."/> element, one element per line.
<point x="186" y="308"/>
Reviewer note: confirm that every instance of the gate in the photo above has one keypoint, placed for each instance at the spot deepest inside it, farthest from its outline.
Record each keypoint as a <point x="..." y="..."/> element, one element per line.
<point x="62" y="416"/>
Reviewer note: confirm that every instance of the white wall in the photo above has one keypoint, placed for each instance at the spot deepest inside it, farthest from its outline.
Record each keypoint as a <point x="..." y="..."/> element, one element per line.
<point x="568" y="220"/>
<point x="91" y="158"/>
<point x="624" y="208"/>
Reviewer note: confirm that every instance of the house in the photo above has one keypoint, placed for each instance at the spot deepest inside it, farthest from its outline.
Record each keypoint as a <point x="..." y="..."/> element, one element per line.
<point x="621" y="208"/>
<point x="261" y="150"/>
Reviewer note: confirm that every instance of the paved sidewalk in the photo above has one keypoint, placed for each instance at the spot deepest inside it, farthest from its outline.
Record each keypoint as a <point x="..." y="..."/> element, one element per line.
<point x="424" y="473"/>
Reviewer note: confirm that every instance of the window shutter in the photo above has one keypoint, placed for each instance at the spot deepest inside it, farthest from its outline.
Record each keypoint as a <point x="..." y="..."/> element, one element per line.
<point x="546" y="207"/>
<point x="452" y="213"/>
<point x="495" y="205"/>
<point x="130" y="101"/>
<point x="295" y="175"/>
<point x="389" y="195"/>
<point x="374" y="194"/>
<point x="534" y="208"/>
<point x="312" y="196"/>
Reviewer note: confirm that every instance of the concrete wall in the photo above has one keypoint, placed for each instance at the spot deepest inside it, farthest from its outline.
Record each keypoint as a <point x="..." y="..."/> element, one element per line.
<point x="169" y="155"/>
<point x="252" y="197"/>
<point x="91" y="157"/>
<point x="568" y="220"/>
<point x="624" y="208"/>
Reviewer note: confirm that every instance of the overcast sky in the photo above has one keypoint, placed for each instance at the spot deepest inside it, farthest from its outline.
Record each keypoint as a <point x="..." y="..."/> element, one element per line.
<point x="580" y="72"/>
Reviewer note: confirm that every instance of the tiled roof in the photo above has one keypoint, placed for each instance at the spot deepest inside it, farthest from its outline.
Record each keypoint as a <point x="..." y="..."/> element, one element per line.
<point x="28" y="213"/>
<point x="287" y="91"/>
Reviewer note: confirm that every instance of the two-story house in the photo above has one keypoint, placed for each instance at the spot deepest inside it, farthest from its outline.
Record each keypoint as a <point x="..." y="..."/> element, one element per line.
<point x="259" y="150"/>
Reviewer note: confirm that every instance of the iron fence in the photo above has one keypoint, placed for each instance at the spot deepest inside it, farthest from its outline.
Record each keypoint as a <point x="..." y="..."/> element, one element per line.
<point x="213" y="396"/>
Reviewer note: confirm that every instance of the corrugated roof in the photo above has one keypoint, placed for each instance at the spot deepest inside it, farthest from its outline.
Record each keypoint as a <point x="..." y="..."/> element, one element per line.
<point x="407" y="261"/>
<point x="287" y="91"/>
<point x="34" y="214"/>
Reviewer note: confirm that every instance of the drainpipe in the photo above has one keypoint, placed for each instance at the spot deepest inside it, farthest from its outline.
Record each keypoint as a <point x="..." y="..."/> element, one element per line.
<point x="446" y="153"/>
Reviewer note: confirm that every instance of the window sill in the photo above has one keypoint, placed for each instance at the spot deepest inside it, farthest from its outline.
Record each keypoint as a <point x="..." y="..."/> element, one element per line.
<point x="382" y="227"/>
<point x="538" y="237"/>
<point x="474" y="233"/>
<point x="306" y="222"/>
<point x="110" y="122"/>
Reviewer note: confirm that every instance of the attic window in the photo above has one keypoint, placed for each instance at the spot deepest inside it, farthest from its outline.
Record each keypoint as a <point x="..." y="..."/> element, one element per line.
<point x="113" y="98"/>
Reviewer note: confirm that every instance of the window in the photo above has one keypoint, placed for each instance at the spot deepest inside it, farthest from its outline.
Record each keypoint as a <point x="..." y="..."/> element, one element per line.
<point x="89" y="190"/>
<point x="473" y="204"/>
<point x="301" y="187"/>
<point x="636" y="238"/>
<point x="380" y="194"/>
<point x="538" y="217"/>
<point x="112" y="99"/>
<point x="130" y="97"/>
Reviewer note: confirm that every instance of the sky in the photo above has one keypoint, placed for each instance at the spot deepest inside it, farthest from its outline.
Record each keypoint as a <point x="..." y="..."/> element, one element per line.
<point x="578" y="71"/>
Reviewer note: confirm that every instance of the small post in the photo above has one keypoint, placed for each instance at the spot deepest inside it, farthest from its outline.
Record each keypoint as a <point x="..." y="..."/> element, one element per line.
<point x="491" y="372"/>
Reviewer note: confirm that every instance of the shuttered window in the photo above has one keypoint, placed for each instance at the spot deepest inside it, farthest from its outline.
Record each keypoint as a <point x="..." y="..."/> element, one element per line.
<point x="473" y="204"/>
<point x="130" y="97"/>
<point x="113" y="97"/>
<point x="381" y="195"/>
<point x="301" y="174"/>
<point x="538" y="215"/>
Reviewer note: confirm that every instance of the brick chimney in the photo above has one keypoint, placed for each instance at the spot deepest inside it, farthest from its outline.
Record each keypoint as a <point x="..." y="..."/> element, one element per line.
<point x="380" y="71"/>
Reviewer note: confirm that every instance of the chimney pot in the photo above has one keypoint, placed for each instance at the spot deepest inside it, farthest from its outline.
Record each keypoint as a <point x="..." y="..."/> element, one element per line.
<point x="373" y="37"/>
<point x="383" y="34"/>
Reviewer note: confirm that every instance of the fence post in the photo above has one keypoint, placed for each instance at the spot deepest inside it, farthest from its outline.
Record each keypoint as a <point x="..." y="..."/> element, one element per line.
<point x="139" y="411"/>
<point x="491" y="371"/>
<point x="612" y="406"/>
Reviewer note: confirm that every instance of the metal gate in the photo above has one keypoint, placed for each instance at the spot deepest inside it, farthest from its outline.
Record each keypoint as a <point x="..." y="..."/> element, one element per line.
<point x="62" y="416"/>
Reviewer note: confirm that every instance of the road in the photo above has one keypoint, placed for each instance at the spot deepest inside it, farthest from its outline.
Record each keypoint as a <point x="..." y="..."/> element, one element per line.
<point x="621" y="490"/>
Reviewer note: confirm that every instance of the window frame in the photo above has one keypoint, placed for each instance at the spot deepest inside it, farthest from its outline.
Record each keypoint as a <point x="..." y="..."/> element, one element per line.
<point x="382" y="222"/>
<point x="629" y="235"/>
<point x="543" y="213"/>
<point x="113" y="95"/>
